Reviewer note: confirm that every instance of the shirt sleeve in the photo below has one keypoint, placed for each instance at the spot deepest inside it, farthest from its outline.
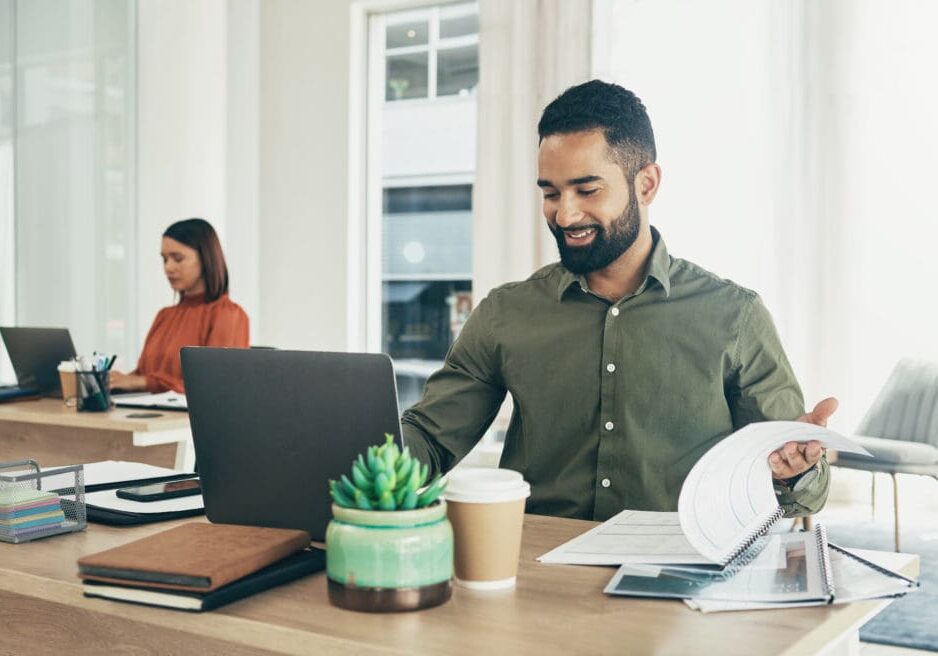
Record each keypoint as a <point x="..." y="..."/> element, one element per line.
<point x="229" y="327"/>
<point x="808" y="495"/>
<point x="163" y="381"/>
<point x="160" y="381"/>
<point x="764" y="388"/>
<point x="460" y="400"/>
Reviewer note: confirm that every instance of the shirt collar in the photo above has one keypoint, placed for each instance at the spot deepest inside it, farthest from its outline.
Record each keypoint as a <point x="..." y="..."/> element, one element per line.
<point x="659" y="267"/>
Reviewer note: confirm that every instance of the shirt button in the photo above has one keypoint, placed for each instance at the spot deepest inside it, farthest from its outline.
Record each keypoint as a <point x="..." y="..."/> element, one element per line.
<point x="610" y="367"/>
<point x="610" y="425"/>
<point x="614" y="311"/>
<point x="605" y="482"/>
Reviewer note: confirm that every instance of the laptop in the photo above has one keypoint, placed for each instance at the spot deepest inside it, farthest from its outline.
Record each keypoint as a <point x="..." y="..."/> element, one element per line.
<point x="35" y="354"/>
<point x="271" y="428"/>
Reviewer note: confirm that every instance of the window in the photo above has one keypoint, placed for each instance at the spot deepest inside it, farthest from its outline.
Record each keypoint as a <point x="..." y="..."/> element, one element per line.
<point x="432" y="53"/>
<point x="420" y="170"/>
<point x="427" y="280"/>
<point x="67" y="157"/>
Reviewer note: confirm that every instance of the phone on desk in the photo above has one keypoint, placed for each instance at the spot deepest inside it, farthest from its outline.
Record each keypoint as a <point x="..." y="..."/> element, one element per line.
<point x="160" y="491"/>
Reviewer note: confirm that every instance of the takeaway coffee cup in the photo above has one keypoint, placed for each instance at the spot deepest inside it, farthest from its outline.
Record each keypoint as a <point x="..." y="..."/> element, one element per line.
<point x="486" y="509"/>
<point x="69" y="383"/>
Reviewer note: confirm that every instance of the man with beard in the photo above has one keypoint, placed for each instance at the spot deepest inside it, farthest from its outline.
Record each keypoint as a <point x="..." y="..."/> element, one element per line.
<point x="625" y="364"/>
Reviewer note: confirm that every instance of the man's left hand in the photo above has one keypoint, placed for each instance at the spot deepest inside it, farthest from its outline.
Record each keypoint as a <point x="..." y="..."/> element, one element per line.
<point x="798" y="457"/>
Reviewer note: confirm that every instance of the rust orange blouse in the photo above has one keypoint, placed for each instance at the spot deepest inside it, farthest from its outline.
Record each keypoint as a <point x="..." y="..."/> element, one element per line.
<point x="192" y="322"/>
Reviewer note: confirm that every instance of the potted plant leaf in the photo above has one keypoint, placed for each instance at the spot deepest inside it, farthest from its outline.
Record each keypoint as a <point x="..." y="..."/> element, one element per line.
<point x="389" y="546"/>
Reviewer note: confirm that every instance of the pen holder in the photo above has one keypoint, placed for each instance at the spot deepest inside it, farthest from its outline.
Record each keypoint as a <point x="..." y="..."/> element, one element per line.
<point x="37" y="503"/>
<point x="94" y="391"/>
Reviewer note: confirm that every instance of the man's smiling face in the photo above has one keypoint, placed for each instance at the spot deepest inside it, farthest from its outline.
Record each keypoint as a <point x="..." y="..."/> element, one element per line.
<point x="588" y="202"/>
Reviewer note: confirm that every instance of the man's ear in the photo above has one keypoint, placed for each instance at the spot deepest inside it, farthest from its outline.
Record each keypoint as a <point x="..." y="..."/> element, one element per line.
<point x="647" y="182"/>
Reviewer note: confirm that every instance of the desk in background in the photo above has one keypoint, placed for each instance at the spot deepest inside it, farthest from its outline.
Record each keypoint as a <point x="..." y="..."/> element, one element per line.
<point x="556" y="609"/>
<point x="52" y="434"/>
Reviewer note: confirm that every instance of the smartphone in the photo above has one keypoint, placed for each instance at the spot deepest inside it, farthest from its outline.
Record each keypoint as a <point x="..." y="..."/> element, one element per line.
<point x="160" y="491"/>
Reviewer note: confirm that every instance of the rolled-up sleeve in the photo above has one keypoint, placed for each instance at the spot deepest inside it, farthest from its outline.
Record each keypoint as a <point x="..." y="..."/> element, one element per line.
<point x="808" y="497"/>
<point x="765" y="389"/>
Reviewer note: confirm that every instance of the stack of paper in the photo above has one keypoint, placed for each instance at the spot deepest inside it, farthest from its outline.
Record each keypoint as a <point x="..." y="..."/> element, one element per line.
<point x="719" y="550"/>
<point x="26" y="512"/>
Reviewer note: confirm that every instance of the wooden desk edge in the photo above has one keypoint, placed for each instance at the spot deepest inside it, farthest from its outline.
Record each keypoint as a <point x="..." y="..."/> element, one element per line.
<point x="265" y="636"/>
<point x="49" y="412"/>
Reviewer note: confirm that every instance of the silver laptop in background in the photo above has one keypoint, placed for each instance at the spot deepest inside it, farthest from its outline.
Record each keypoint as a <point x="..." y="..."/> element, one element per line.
<point x="271" y="428"/>
<point x="35" y="354"/>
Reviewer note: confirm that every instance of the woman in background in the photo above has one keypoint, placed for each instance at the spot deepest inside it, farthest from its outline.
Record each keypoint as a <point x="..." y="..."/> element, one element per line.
<point x="204" y="316"/>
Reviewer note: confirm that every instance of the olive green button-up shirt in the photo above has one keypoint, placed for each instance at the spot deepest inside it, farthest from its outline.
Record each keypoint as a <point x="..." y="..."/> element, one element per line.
<point x="613" y="403"/>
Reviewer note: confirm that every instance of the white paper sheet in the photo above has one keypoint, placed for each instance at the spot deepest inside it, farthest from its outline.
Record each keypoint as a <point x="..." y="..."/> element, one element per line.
<point x="161" y="400"/>
<point x="728" y="494"/>
<point x="109" y="500"/>
<point x="632" y="536"/>
<point x="104" y="472"/>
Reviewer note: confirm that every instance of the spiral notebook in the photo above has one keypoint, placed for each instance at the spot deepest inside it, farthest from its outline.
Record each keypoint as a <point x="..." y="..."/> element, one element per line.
<point x="786" y="568"/>
<point x="726" y="508"/>
<point x="852" y="578"/>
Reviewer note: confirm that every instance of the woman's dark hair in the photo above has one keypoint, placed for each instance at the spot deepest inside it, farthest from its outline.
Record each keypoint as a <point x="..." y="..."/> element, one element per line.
<point x="598" y="105"/>
<point x="200" y="235"/>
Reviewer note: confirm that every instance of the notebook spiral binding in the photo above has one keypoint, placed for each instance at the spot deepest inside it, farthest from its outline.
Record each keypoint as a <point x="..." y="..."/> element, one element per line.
<point x="744" y="553"/>
<point x="827" y="572"/>
<point x="874" y="566"/>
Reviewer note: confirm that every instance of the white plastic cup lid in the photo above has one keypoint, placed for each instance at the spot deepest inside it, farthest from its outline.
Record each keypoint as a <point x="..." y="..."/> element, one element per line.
<point x="67" y="366"/>
<point x="485" y="485"/>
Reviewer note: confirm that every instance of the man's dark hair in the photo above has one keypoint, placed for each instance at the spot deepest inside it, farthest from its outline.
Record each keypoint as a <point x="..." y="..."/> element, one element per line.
<point x="598" y="105"/>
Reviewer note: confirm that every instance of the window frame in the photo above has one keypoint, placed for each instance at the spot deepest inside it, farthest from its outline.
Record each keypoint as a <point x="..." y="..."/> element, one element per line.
<point x="434" y="44"/>
<point x="367" y="69"/>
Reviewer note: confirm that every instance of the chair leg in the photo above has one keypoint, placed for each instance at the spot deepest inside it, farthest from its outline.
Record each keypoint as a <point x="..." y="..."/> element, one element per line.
<point x="873" y="497"/>
<point x="895" y="503"/>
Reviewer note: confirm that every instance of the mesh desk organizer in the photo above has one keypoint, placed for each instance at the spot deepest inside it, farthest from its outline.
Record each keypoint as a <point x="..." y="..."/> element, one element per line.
<point x="33" y="505"/>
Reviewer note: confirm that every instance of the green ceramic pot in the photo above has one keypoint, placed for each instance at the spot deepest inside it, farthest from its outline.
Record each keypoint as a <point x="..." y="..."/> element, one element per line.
<point x="389" y="560"/>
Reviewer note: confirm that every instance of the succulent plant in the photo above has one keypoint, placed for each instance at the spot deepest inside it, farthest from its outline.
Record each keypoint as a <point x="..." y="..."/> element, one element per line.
<point x="386" y="478"/>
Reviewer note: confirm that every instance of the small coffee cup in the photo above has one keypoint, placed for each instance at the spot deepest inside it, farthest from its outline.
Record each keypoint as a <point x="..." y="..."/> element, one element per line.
<point x="486" y="509"/>
<point x="68" y="382"/>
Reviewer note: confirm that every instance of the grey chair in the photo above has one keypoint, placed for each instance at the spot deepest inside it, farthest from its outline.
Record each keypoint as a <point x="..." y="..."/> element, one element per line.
<point x="900" y="429"/>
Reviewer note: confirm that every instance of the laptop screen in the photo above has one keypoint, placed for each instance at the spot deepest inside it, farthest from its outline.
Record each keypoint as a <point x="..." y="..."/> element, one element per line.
<point x="271" y="428"/>
<point x="35" y="354"/>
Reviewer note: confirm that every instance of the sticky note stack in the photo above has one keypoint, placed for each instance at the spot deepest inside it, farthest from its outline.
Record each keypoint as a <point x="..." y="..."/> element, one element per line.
<point x="25" y="512"/>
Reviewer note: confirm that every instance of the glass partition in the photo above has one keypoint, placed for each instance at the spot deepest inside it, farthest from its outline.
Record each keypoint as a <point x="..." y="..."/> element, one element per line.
<point x="73" y="102"/>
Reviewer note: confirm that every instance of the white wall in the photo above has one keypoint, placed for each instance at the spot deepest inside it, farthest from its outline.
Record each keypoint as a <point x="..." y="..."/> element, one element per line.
<point x="303" y="241"/>
<point x="877" y="158"/>
<point x="243" y="121"/>
<point x="197" y="139"/>
<point x="242" y="229"/>
<point x="799" y="148"/>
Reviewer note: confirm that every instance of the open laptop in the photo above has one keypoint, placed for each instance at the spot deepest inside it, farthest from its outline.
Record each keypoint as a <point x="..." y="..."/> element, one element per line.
<point x="35" y="354"/>
<point x="272" y="427"/>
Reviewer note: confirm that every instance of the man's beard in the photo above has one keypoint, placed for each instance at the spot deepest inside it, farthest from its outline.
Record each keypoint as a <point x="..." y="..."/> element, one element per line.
<point x="606" y="246"/>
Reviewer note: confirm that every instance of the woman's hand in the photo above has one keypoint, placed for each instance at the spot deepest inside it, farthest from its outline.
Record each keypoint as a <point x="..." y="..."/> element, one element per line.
<point x="128" y="382"/>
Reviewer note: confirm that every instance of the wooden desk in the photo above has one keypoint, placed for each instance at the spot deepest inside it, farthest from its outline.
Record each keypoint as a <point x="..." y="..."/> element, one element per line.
<point x="555" y="609"/>
<point x="53" y="434"/>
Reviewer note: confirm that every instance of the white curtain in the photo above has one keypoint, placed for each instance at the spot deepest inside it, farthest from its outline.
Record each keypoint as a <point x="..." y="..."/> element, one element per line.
<point x="529" y="52"/>
<point x="799" y="151"/>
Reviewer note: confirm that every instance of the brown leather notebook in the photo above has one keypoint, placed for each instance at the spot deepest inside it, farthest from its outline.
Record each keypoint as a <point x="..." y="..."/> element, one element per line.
<point x="197" y="557"/>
